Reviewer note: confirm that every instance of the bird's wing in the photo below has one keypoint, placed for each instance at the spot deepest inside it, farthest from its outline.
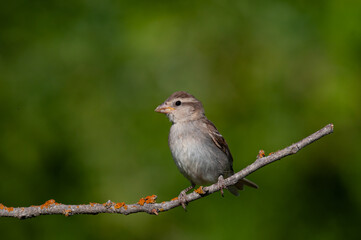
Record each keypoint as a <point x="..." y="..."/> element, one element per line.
<point x="218" y="139"/>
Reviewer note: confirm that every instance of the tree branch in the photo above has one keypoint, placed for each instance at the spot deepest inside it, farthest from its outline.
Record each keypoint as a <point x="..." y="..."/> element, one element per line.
<point x="148" y="204"/>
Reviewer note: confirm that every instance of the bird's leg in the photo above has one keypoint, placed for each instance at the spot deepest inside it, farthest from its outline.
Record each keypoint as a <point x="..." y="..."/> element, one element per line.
<point x="221" y="183"/>
<point x="182" y="196"/>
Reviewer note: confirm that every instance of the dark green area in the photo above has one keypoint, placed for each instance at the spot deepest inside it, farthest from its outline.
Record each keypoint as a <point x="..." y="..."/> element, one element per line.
<point x="79" y="81"/>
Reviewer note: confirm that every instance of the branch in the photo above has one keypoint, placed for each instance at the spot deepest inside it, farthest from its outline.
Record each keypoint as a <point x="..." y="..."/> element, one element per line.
<point x="148" y="204"/>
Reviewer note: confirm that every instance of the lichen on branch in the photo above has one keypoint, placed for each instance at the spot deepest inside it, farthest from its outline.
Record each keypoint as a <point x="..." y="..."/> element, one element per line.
<point x="148" y="204"/>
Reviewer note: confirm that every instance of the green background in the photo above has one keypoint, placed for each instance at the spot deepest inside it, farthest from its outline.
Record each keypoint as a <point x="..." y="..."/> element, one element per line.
<point x="79" y="82"/>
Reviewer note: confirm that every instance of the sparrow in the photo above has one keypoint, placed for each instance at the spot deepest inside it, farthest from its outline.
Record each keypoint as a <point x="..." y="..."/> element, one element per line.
<point x="198" y="149"/>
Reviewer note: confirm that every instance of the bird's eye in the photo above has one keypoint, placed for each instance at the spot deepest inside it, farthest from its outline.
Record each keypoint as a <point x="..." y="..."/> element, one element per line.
<point x="178" y="103"/>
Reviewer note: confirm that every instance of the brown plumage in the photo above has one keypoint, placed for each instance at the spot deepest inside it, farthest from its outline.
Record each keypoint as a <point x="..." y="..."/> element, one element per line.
<point x="200" y="152"/>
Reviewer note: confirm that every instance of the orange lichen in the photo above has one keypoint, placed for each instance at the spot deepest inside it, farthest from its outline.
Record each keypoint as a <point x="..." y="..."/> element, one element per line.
<point x="270" y="153"/>
<point x="119" y="205"/>
<point x="108" y="204"/>
<point x="141" y="201"/>
<point x="200" y="190"/>
<point x="261" y="154"/>
<point x="173" y="199"/>
<point x="47" y="203"/>
<point x="150" y="199"/>
<point x="51" y="201"/>
<point x="67" y="212"/>
<point x="3" y="207"/>
<point x="92" y="204"/>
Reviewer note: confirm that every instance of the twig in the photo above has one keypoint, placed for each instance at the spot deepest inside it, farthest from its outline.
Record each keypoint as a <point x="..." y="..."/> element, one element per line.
<point x="148" y="204"/>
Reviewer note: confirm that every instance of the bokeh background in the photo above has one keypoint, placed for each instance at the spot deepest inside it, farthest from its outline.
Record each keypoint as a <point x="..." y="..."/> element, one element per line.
<point x="79" y="82"/>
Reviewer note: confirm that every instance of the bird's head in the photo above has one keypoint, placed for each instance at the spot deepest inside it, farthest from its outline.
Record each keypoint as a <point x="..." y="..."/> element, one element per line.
<point x="181" y="107"/>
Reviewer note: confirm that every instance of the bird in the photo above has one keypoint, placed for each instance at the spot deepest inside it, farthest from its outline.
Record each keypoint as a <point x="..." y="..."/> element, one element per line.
<point x="198" y="149"/>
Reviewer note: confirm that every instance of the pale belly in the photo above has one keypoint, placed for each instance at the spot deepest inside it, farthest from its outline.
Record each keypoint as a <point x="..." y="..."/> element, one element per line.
<point x="196" y="157"/>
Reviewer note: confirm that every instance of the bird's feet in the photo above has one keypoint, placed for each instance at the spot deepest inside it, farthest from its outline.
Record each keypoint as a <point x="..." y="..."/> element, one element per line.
<point x="221" y="184"/>
<point x="182" y="197"/>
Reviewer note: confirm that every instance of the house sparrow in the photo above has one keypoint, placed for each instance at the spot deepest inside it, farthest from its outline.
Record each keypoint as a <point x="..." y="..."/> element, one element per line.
<point x="198" y="149"/>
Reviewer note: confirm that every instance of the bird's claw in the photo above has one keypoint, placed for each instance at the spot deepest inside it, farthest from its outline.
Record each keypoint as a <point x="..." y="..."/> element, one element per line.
<point x="182" y="197"/>
<point x="221" y="184"/>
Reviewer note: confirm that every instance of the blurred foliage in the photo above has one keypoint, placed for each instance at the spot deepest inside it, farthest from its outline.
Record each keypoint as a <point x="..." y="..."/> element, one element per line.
<point x="79" y="81"/>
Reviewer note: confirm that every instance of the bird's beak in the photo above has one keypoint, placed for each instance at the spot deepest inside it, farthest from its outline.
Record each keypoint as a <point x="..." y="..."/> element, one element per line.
<point x="164" y="109"/>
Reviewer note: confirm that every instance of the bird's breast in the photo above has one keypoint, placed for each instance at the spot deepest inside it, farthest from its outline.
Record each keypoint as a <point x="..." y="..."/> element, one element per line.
<point x="195" y="155"/>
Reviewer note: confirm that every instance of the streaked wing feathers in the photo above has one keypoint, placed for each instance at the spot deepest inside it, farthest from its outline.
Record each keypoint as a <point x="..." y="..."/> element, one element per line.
<point x="218" y="139"/>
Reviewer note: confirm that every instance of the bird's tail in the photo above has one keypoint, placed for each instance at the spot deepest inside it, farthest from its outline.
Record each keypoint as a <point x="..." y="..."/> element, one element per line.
<point x="240" y="184"/>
